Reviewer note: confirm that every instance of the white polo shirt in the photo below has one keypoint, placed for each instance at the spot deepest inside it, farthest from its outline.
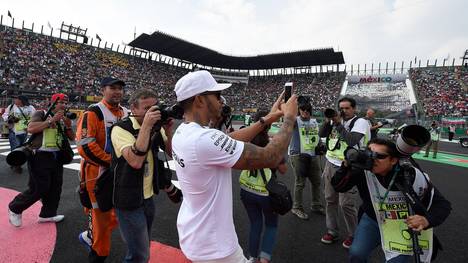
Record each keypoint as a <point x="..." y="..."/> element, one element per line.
<point x="204" y="158"/>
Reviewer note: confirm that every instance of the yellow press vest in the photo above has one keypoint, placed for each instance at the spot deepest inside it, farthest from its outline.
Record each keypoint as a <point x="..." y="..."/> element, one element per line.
<point x="308" y="135"/>
<point x="51" y="140"/>
<point x="254" y="184"/>
<point x="338" y="154"/>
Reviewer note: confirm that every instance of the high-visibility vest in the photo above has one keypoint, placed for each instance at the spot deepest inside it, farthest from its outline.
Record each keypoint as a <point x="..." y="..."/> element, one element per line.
<point x="391" y="214"/>
<point x="308" y="135"/>
<point x="252" y="181"/>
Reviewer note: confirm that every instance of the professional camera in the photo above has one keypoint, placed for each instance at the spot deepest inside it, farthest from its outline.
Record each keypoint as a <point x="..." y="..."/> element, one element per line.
<point x="330" y="113"/>
<point x="70" y="115"/>
<point x="12" y="119"/>
<point x="175" y="111"/>
<point x="19" y="156"/>
<point x="361" y="159"/>
<point x="226" y="112"/>
<point x="411" y="139"/>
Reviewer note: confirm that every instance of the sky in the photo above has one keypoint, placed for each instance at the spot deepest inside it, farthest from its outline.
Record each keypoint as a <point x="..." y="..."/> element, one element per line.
<point x="366" y="31"/>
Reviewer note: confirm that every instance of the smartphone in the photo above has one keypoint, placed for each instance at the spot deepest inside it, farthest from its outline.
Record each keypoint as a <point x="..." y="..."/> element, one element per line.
<point x="288" y="86"/>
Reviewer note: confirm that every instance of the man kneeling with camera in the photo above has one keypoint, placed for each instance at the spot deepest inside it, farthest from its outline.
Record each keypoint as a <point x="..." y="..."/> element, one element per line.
<point x="139" y="174"/>
<point x="386" y="218"/>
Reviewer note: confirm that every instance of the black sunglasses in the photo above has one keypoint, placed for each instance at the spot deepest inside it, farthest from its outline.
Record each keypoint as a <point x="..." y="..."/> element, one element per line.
<point x="376" y="155"/>
<point x="216" y="93"/>
<point x="380" y="156"/>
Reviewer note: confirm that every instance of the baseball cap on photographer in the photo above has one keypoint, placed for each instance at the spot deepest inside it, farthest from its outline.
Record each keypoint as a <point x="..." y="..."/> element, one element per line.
<point x="109" y="81"/>
<point x="58" y="96"/>
<point x="195" y="83"/>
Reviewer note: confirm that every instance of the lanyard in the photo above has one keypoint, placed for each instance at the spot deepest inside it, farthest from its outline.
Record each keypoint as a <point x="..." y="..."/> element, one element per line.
<point x="384" y="197"/>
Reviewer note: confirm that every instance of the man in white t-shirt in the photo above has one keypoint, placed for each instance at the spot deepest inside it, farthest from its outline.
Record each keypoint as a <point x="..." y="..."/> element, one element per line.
<point x="342" y="131"/>
<point x="204" y="158"/>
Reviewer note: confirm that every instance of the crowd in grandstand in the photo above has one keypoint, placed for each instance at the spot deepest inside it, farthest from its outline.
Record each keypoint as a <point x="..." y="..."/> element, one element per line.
<point x="323" y="90"/>
<point x="43" y="64"/>
<point x="442" y="91"/>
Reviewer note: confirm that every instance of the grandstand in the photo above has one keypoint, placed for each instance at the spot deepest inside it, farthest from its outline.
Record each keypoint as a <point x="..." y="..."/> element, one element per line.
<point x="36" y="64"/>
<point x="385" y="93"/>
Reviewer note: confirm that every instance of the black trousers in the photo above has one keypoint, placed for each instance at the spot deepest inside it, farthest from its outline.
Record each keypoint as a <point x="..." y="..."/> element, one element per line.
<point x="45" y="184"/>
<point x="451" y="134"/>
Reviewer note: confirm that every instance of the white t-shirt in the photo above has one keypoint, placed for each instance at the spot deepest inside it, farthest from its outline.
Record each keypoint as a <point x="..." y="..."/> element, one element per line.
<point x="203" y="160"/>
<point x="362" y="126"/>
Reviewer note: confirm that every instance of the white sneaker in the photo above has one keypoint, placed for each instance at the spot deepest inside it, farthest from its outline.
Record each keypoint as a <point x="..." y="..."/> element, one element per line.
<point x="85" y="240"/>
<point x="54" y="219"/>
<point x="15" y="219"/>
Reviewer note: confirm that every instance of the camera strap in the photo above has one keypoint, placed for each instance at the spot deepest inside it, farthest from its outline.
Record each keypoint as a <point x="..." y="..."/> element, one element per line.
<point x="392" y="182"/>
<point x="22" y="113"/>
<point x="337" y="145"/>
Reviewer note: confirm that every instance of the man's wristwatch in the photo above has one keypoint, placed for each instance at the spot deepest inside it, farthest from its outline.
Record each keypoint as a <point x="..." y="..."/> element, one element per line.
<point x="137" y="152"/>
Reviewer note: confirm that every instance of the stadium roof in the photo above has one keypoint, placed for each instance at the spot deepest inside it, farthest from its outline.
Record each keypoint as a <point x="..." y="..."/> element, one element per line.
<point x="168" y="45"/>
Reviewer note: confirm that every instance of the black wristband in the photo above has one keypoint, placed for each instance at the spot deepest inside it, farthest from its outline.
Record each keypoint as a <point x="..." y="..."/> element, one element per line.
<point x="262" y="120"/>
<point x="137" y="152"/>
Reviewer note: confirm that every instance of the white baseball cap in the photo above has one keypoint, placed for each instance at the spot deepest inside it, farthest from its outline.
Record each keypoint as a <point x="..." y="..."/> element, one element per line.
<point x="195" y="83"/>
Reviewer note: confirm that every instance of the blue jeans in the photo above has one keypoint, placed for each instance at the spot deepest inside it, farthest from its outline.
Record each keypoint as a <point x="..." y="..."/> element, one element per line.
<point x="20" y="139"/>
<point x="12" y="139"/>
<point x="366" y="239"/>
<point x="255" y="205"/>
<point x="135" y="228"/>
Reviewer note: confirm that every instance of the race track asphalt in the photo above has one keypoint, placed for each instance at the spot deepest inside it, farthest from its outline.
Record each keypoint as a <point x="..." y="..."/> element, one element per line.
<point x="297" y="240"/>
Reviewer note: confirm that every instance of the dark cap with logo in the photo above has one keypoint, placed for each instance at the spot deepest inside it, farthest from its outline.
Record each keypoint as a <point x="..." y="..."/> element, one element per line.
<point x="109" y="81"/>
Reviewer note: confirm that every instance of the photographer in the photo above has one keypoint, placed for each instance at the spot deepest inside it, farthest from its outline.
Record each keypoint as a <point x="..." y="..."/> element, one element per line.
<point x="139" y="174"/>
<point x="374" y="126"/>
<point x="384" y="212"/>
<point x="204" y="158"/>
<point x="434" y="142"/>
<point x="304" y="161"/>
<point x="342" y="131"/>
<point x="45" y="165"/>
<point x="18" y="115"/>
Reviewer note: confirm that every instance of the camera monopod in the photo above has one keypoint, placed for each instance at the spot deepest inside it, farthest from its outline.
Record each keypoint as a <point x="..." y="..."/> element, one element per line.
<point x="411" y="139"/>
<point x="412" y="202"/>
<point x="20" y="155"/>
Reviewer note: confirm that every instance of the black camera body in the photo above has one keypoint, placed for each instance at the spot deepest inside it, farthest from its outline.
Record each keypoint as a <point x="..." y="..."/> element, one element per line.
<point x="175" y="112"/>
<point x="70" y="115"/>
<point x="226" y="112"/>
<point x="12" y="119"/>
<point x="361" y="159"/>
<point x="330" y="113"/>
